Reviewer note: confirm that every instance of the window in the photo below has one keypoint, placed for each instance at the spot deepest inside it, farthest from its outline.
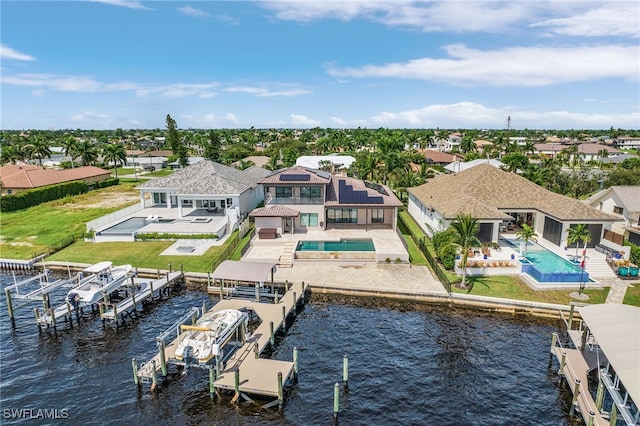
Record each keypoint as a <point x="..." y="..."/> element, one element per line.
<point x="342" y="216"/>
<point x="229" y="202"/>
<point x="283" y="192"/>
<point x="159" y="197"/>
<point x="377" y="215"/>
<point x="308" y="219"/>
<point x="310" y="192"/>
<point x="617" y="209"/>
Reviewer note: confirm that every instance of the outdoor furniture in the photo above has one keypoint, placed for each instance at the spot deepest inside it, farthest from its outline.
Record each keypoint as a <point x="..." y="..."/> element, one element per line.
<point x="267" y="234"/>
<point x="623" y="271"/>
<point x="213" y="210"/>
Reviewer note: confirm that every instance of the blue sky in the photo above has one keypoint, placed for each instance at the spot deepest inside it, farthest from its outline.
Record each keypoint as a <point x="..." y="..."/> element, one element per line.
<point x="301" y="64"/>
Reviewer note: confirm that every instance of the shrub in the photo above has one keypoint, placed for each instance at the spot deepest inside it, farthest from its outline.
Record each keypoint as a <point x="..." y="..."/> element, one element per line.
<point x="166" y="236"/>
<point x="33" y="197"/>
<point x="448" y="260"/>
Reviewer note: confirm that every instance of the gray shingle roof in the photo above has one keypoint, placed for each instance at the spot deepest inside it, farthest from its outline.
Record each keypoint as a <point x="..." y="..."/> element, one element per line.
<point x="486" y="192"/>
<point x="629" y="195"/>
<point x="208" y="177"/>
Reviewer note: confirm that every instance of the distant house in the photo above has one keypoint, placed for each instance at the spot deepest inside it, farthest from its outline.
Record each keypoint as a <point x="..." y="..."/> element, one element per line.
<point x="17" y="178"/>
<point x="442" y="158"/>
<point x="300" y="198"/>
<point x="627" y="142"/>
<point x="206" y="185"/>
<point x="459" y="166"/>
<point x="321" y="162"/>
<point x="503" y="201"/>
<point x="625" y="202"/>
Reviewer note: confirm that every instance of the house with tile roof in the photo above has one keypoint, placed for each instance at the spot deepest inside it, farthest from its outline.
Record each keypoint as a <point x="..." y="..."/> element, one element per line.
<point x="299" y="199"/>
<point x="206" y="185"/>
<point x="502" y="202"/>
<point x="21" y="177"/>
<point x="625" y="202"/>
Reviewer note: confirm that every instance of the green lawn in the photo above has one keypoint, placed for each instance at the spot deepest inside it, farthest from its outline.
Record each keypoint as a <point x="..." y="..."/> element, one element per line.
<point x="159" y="173"/>
<point x="139" y="254"/>
<point x="25" y="232"/>
<point x="632" y="296"/>
<point x="511" y="287"/>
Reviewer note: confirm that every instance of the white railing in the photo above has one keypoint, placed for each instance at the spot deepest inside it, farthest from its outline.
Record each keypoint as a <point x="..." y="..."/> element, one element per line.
<point x="101" y="221"/>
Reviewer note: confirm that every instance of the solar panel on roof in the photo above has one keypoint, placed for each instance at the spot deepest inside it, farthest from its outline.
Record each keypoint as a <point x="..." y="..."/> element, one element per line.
<point x="295" y="177"/>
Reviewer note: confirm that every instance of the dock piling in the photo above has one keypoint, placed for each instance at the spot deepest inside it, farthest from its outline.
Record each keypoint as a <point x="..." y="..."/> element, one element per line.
<point x="163" y="361"/>
<point x="275" y="298"/>
<point x="599" y="393"/>
<point x="284" y="320"/>
<point x="272" y="339"/>
<point x="256" y="350"/>
<point x="280" y="390"/>
<point x="212" y="379"/>
<point x="134" y="365"/>
<point x="295" y="363"/>
<point x="591" y="418"/>
<point x="37" y="312"/>
<point x="7" y="294"/>
<point x="345" y="371"/>
<point x="204" y="308"/>
<point x="563" y="359"/>
<point x="154" y="378"/>
<point x="295" y="304"/>
<point x="554" y="339"/>
<point x="336" y="400"/>
<point x="236" y="385"/>
<point x="221" y="289"/>
<point x="574" y="400"/>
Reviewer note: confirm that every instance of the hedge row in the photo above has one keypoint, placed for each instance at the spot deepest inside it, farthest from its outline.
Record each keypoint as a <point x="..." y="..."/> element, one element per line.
<point x="33" y="197"/>
<point x="106" y="183"/>
<point x="165" y="236"/>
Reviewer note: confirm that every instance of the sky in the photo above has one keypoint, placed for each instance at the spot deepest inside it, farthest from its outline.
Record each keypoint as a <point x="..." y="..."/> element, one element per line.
<point x="108" y="64"/>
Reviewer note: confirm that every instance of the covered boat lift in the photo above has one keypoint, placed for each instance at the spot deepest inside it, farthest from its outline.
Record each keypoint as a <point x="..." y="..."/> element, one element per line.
<point x="231" y="273"/>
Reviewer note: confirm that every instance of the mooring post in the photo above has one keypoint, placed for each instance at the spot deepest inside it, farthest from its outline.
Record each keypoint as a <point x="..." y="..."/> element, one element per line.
<point x="37" y="312"/>
<point x="221" y="289"/>
<point x="571" y="311"/>
<point x="115" y="313"/>
<point x="7" y="294"/>
<point x="158" y="274"/>
<point x="613" y="415"/>
<point x="163" y="361"/>
<point x="275" y="299"/>
<point x="194" y="318"/>
<point x="208" y="278"/>
<point x="68" y="312"/>
<point x="583" y="341"/>
<point x="599" y="393"/>
<point x="574" y="400"/>
<point x="151" y="290"/>
<point x="304" y="292"/>
<point x="217" y="365"/>
<point x="236" y="385"/>
<point x="295" y="304"/>
<point x="345" y="371"/>
<point x="295" y="363"/>
<point x="256" y="351"/>
<point x="181" y="270"/>
<point x="280" y="390"/>
<point x="204" y="307"/>
<point x="212" y="379"/>
<point x="284" y="319"/>
<point x="336" y="400"/>
<point x="133" y="297"/>
<point x="53" y="318"/>
<point x="154" y="378"/>
<point x="101" y="309"/>
<point x="592" y="417"/>
<point x="169" y="267"/>
<point x="134" y="365"/>
<point x="272" y="339"/>
<point x="562" y="361"/>
<point x="554" y="339"/>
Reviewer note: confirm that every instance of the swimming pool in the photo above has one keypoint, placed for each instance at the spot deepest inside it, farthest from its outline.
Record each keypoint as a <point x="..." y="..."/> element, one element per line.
<point x="342" y="245"/>
<point x="130" y="226"/>
<point x="546" y="266"/>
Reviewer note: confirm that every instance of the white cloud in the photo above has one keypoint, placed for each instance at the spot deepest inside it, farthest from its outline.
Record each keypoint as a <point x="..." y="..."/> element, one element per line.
<point x="298" y="120"/>
<point x="339" y="121"/>
<point x="474" y="115"/>
<point x="89" y="116"/>
<point x="265" y="93"/>
<point x="8" y="53"/>
<point x="618" y="18"/>
<point x="192" y="11"/>
<point x="208" y="120"/>
<point x="131" y="4"/>
<point x="178" y="90"/>
<point x="513" y="66"/>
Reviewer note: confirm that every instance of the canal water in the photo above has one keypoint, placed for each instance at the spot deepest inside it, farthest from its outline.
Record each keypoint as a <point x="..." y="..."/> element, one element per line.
<point x="409" y="364"/>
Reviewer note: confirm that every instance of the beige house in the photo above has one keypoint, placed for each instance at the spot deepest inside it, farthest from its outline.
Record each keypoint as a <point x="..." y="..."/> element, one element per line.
<point x="502" y="202"/>
<point x="17" y="178"/>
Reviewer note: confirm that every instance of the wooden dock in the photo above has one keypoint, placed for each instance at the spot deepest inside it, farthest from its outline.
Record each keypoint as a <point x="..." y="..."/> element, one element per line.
<point x="139" y="292"/>
<point x="244" y="372"/>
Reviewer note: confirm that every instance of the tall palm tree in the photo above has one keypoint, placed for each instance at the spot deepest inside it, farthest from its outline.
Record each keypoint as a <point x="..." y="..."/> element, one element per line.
<point x="578" y="234"/>
<point x="70" y="145"/>
<point x="38" y="148"/>
<point x="464" y="236"/>
<point x="115" y="154"/>
<point x="87" y="152"/>
<point x="527" y="234"/>
<point x="13" y="154"/>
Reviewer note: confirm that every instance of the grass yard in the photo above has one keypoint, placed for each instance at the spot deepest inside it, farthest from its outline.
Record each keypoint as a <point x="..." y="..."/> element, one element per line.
<point x="511" y="287"/>
<point x="25" y="232"/>
<point x="632" y="296"/>
<point x="140" y="254"/>
<point x="159" y="173"/>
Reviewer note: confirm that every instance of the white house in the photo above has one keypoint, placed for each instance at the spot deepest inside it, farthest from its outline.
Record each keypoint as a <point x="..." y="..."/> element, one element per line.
<point x="625" y="202"/>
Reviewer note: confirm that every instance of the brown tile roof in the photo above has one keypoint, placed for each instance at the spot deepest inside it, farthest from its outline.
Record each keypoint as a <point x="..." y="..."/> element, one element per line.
<point x="374" y="192"/>
<point x="274" y="211"/>
<point x="439" y="157"/>
<point x="31" y="176"/>
<point x="486" y="192"/>
<point x="595" y="148"/>
<point x="315" y="176"/>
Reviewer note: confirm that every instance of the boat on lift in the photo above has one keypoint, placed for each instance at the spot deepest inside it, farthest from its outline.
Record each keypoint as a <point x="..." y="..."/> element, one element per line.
<point x="101" y="279"/>
<point x="206" y="338"/>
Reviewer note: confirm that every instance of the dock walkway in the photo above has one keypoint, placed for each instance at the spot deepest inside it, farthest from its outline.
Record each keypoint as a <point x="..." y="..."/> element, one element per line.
<point x="257" y="376"/>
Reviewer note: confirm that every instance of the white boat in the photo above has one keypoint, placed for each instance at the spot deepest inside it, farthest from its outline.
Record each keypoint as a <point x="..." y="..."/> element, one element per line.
<point x="205" y="339"/>
<point x="102" y="279"/>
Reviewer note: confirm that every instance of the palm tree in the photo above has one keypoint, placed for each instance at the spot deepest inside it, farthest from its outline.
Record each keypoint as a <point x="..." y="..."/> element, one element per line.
<point x="38" y="148"/>
<point x="464" y="236"/>
<point x="527" y="234"/>
<point x="13" y="154"/>
<point x="578" y="234"/>
<point x="70" y="145"/>
<point x="115" y="154"/>
<point x="87" y="152"/>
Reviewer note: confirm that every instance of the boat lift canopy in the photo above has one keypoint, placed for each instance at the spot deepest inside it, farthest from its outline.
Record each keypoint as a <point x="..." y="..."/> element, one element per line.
<point x="616" y="328"/>
<point x="234" y="270"/>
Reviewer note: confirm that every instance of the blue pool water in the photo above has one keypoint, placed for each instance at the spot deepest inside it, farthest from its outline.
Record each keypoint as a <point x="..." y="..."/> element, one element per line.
<point x="546" y="266"/>
<point x="128" y="226"/>
<point x="342" y="245"/>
